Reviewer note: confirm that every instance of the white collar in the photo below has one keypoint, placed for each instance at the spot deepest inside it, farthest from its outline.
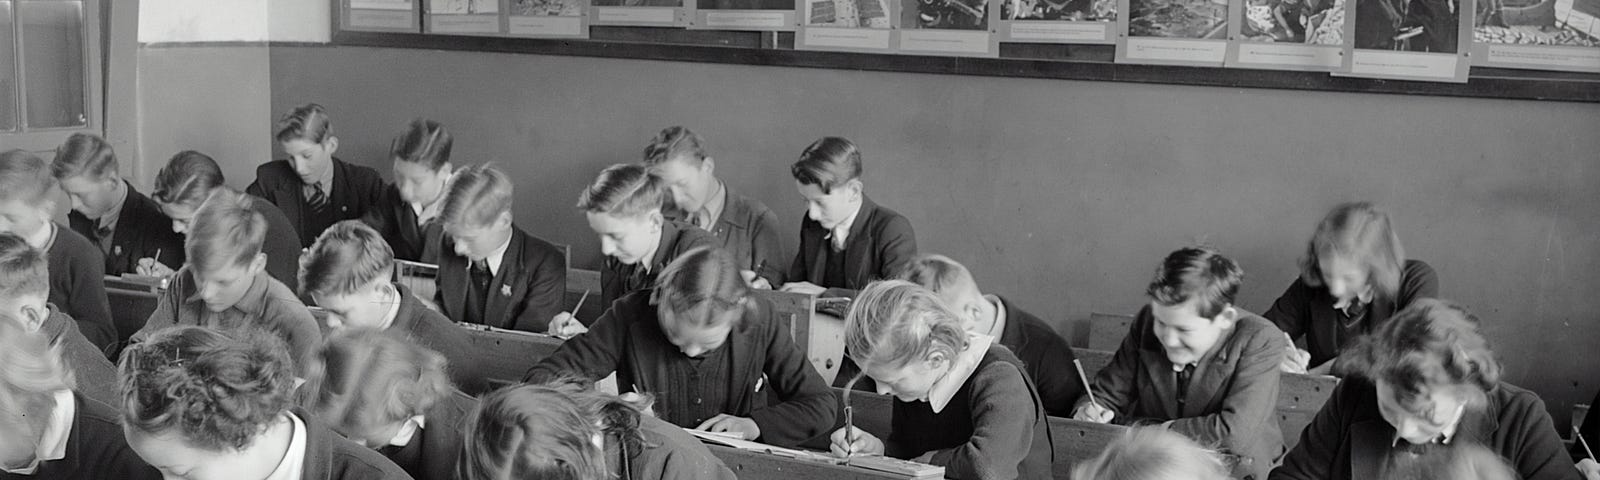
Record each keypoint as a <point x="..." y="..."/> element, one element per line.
<point x="997" y="329"/>
<point x="649" y="258"/>
<point x="962" y="368"/>
<point x="495" y="258"/>
<point x="408" y="431"/>
<point x="43" y="238"/>
<point x="53" y="443"/>
<point x="715" y="205"/>
<point x="394" y="308"/>
<point x="841" y="232"/>
<point x="292" y="467"/>
<point x="109" y="219"/>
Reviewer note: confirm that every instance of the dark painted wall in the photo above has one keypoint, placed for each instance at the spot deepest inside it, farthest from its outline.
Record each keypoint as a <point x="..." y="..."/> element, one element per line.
<point x="1062" y="195"/>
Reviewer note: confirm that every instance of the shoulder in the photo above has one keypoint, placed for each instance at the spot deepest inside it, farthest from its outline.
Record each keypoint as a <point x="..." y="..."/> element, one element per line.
<point x="71" y="243"/>
<point x="1418" y="272"/>
<point x="1000" y="373"/>
<point x="635" y="307"/>
<point x="92" y="414"/>
<point x="1252" y="332"/>
<point x="344" y="459"/>
<point x="758" y="319"/>
<point x="668" y="444"/>
<point x="359" y="173"/>
<point x="1517" y="404"/>
<point x="745" y="210"/>
<point x="887" y="221"/>
<point x="268" y="209"/>
<point x="282" y="302"/>
<point x="274" y="172"/>
<point x="1031" y="326"/>
<point x="452" y="410"/>
<point x="690" y="237"/>
<point x="534" y="244"/>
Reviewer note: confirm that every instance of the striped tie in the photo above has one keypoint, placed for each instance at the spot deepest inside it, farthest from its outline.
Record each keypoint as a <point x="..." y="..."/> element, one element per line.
<point x="317" y="200"/>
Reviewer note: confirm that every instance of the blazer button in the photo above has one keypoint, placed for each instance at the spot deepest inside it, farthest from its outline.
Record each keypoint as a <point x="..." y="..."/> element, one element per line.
<point x="697" y="401"/>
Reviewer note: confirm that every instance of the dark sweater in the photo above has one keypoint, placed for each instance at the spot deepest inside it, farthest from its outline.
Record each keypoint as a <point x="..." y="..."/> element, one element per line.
<point x="432" y="330"/>
<point x="994" y="426"/>
<point x="393" y="218"/>
<point x="332" y="457"/>
<point x="628" y="340"/>
<point x="431" y="455"/>
<point x="1306" y="310"/>
<point x="1350" y="440"/>
<point x="524" y="294"/>
<point x="78" y="285"/>
<point x="354" y="189"/>
<point x="618" y="279"/>
<point x="1047" y="357"/>
<point x="880" y="243"/>
<point x="668" y="453"/>
<point x="97" y="376"/>
<point x="96" y="449"/>
<point x="141" y="231"/>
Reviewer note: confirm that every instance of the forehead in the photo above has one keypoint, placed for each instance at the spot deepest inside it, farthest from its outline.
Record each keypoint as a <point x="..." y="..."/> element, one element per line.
<point x="814" y="192"/>
<point x="605" y="223"/>
<point x="166" y="451"/>
<point x="677" y="167"/>
<point x="1184" y="315"/>
<point x="79" y="183"/>
<point x="221" y="273"/>
<point x="298" y="145"/>
<point x="13" y="206"/>
<point x="407" y="169"/>
<point x="177" y="211"/>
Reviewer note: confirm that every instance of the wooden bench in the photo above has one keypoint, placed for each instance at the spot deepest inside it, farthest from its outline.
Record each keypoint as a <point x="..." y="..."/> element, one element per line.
<point x="1107" y="330"/>
<point x="505" y="356"/>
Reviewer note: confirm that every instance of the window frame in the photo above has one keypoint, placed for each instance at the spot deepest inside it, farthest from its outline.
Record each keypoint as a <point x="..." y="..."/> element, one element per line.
<point x="47" y="139"/>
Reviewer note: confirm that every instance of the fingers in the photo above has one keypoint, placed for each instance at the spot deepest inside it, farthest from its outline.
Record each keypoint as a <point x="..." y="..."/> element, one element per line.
<point x="712" y="422"/>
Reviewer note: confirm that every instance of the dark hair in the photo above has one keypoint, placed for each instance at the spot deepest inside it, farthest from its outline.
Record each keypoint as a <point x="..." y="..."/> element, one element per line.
<point x="1431" y="343"/>
<point x="476" y="196"/>
<point x="1200" y="273"/>
<point x="187" y="179"/>
<point x="703" y="284"/>
<point x="624" y="190"/>
<point x="1360" y="232"/>
<point x="828" y="163"/>
<point x="673" y="143"/>
<point x="425" y="142"/>
<point x="545" y="432"/>
<point x="227" y="230"/>
<point x="362" y="379"/>
<point x="23" y="269"/>
<point x="217" y="391"/>
<point x="307" y="122"/>
<point x="84" y="154"/>
<point x="347" y="256"/>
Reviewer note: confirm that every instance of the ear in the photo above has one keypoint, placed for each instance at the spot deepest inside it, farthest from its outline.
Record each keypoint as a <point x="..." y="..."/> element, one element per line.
<point x="937" y="360"/>
<point x="446" y="170"/>
<point x="33" y="317"/>
<point x="331" y="144"/>
<point x="503" y="220"/>
<point x="708" y="166"/>
<point x="258" y="264"/>
<point x="656" y="220"/>
<point x="856" y="188"/>
<point x="1227" y="318"/>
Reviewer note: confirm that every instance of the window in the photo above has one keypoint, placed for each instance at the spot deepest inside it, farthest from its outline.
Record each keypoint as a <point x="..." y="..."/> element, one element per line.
<point x="49" y="71"/>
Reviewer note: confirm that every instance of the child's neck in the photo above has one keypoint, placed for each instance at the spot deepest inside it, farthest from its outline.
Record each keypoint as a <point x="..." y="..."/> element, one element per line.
<point x="988" y="313"/>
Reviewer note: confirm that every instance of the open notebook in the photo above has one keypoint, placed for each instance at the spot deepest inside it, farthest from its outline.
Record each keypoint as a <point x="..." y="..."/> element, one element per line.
<point x="908" y="469"/>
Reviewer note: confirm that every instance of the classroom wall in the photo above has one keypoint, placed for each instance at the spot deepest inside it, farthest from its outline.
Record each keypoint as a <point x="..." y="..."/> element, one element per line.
<point x="1061" y="195"/>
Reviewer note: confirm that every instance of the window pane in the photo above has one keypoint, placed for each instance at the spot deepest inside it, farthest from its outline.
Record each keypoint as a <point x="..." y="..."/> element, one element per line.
<point x="8" y="70"/>
<point x="52" y="63"/>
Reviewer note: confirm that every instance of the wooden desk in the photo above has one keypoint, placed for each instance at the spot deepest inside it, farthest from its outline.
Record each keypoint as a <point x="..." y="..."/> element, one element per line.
<point x="506" y="355"/>
<point x="132" y="301"/>
<point x="766" y="466"/>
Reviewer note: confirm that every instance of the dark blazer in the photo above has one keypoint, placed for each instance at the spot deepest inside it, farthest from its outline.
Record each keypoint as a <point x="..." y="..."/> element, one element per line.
<point x="142" y="230"/>
<point x="432" y="330"/>
<point x="1047" y="357"/>
<point x="628" y="340"/>
<point x="96" y="449"/>
<point x="748" y="230"/>
<point x="355" y="189"/>
<point x="78" y="285"/>
<point x="330" y="456"/>
<point x="524" y="295"/>
<point x="431" y="455"/>
<point x="282" y="245"/>
<point x="1349" y="439"/>
<point x="1233" y="393"/>
<point x="880" y="243"/>
<point x="1309" y="310"/>
<point x="618" y="279"/>
<point x="97" y="376"/>
<point x="393" y="218"/>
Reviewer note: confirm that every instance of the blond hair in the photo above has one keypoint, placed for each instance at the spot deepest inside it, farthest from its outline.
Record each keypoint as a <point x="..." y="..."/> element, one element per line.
<point x="363" y="379"/>
<point x="477" y="195"/>
<point x="346" y="257"/>
<point x="1153" y="454"/>
<point x="227" y="230"/>
<point x="894" y="322"/>
<point x="1360" y="232"/>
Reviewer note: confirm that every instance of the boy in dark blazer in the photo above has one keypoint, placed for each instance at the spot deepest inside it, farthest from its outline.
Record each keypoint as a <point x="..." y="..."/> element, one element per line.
<point x="491" y="272"/>
<point x="710" y="351"/>
<point x="128" y="227"/>
<point x="743" y="226"/>
<point x="77" y="270"/>
<point x="1196" y="364"/>
<point x="624" y="208"/>
<point x="407" y="214"/>
<point x="1047" y="356"/>
<point x="313" y="188"/>
<point x="24" y="286"/>
<point x="846" y="240"/>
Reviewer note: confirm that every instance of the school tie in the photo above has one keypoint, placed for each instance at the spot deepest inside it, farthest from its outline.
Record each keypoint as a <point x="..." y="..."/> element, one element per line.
<point x="317" y="200"/>
<point x="103" y="238"/>
<point x="1183" y="377"/>
<point x="702" y="219"/>
<point x="480" y="275"/>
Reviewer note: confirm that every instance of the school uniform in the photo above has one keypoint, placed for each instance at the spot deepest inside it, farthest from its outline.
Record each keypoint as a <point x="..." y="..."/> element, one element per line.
<point x="1045" y="355"/>
<point x="1350" y="440"/>
<point x="281" y="245"/>
<point x="736" y="378"/>
<point x="351" y="191"/>
<point x="325" y="455"/>
<point x="1231" y="396"/>
<point x="523" y="291"/>
<point x="982" y="420"/>
<point x="96" y="376"/>
<point x="397" y="222"/>
<point x="267" y="305"/>
<point x="618" y="279"/>
<point x="880" y="242"/>
<point x="431" y="329"/>
<point x="134" y="229"/>
<point x="745" y="228"/>
<point x="78" y="283"/>
<point x="84" y="441"/>
<point x="667" y="453"/>
<point x="1309" y="311"/>
<point x="430" y="446"/>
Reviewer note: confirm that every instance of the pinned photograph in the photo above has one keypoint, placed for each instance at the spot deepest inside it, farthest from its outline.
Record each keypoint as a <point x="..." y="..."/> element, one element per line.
<point x="557" y="8"/>
<point x="548" y="18"/>
<point x="380" y="16"/>
<point x="463" y="7"/>
<point x="759" y="15"/>
<point x="947" y="27"/>
<point x="1287" y="34"/>
<point x="945" y="14"/>
<point x="1538" y="34"/>
<point x="845" y="25"/>
<point x="847" y="13"/>
<point x="1057" y="21"/>
<point x="464" y="16"/>
<point x="1408" y="39"/>
<point x="1174" y="32"/>
<point x="1064" y="10"/>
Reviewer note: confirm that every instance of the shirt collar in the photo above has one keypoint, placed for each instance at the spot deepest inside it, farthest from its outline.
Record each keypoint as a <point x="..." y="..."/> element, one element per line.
<point x="1446" y="435"/>
<point x="394" y="307"/>
<point x="292" y="467"/>
<point x="841" y="232"/>
<point x="53" y="443"/>
<point x="408" y="431"/>
<point x="254" y="301"/>
<point x="715" y="204"/>
<point x="44" y="237"/>
<point x="648" y="260"/>
<point x="498" y="256"/>
<point x="965" y="363"/>
<point x="998" y="329"/>
<point x="108" y="220"/>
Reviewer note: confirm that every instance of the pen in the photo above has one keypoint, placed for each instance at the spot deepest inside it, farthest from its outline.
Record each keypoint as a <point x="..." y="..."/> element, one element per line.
<point x="1585" y="444"/>
<point x="579" y="306"/>
<point x="759" y="382"/>
<point x="849" y="431"/>
<point x="1079" y="365"/>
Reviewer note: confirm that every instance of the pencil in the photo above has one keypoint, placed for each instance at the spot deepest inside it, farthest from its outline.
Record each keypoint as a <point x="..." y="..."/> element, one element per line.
<point x="1585" y="446"/>
<point x="1085" y="379"/>
<point x="580" y="304"/>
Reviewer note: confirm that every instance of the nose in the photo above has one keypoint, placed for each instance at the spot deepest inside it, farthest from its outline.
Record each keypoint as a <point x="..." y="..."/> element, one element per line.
<point x="815" y="212"/>
<point x="883" y="389"/>
<point x="608" y="247"/>
<point x="461" y="249"/>
<point x="1170" y="339"/>
<point x="178" y="227"/>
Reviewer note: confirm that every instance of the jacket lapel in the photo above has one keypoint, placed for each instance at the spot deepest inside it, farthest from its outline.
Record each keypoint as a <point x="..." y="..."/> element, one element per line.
<point x="452" y="281"/>
<point x="1159" y="370"/>
<point x="858" y="247"/>
<point x="502" y="288"/>
<point x="742" y="353"/>
<point x="1210" y="375"/>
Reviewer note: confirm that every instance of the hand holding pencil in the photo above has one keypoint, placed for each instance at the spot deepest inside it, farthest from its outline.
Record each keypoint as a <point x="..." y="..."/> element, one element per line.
<point x="1092" y="411"/>
<point x="565" y="325"/>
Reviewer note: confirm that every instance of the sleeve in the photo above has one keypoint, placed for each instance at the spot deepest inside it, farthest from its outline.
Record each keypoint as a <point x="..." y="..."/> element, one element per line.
<point x="547" y="287"/>
<point x="300" y="331"/>
<point x="166" y="312"/>
<point x="797" y="269"/>
<point x="1539" y="454"/>
<point x="687" y="464"/>
<point x="1050" y="363"/>
<point x="88" y="300"/>
<point x="1313" y="458"/>
<point x="767" y="248"/>
<point x="1291" y="311"/>
<point x="1420" y="282"/>
<point x="897" y="247"/>
<point x="611" y="288"/>
<point x="1003" y="418"/>
<point x="808" y="408"/>
<point x="1115" y="387"/>
<point x="592" y="355"/>
<point x="381" y="218"/>
<point x="256" y="189"/>
<point x="1250" y="402"/>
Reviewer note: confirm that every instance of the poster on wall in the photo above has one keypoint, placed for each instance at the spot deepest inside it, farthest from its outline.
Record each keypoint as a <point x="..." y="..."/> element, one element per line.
<point x="380" y="16"/>
<point x="1058" y="21"/>
<point x="547" y="18"/>
<point x="759" y="15"/>
<point x="1424" y="40"/>
<point x="1538" y="34"/>
<point x="845" y="25"/>
<point x="1173" y="32"/>
<point x="947" y="27"/>
<point x="640" y="13"/>
<point x="1303" y="35"/>
<point x="465" y="17"/>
